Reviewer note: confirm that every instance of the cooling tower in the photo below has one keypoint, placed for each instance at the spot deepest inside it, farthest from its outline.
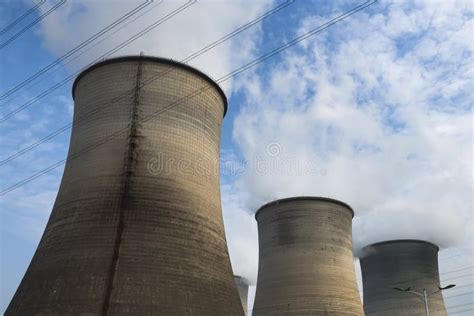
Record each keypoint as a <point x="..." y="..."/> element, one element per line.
<point x="306" y="266"/>
<point x="243" y="286"/>
<point x="137" y="225"/>
<point x="402" y="264"/>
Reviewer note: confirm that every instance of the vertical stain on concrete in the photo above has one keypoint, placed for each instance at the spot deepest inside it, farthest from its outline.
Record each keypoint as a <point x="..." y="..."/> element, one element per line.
<point x="126" y="198"/>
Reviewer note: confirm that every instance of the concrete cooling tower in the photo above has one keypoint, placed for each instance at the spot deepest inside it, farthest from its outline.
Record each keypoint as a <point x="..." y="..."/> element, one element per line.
<point x="243" y="286"/>
<point x="401" y="264"/>
<point x="137" y="225"/>
<point x="306" y="266"/>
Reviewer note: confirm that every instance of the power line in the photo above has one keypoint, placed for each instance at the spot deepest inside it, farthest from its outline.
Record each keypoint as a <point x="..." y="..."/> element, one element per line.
<point x="223" y="39"/>
<point x="442" y="254"/>
<point x="459" y="312"/>
<point x="458" y="277"/>
<point x="34" y="100"/>
<point x="104" y="56"/>
<point x="462" y="305"/>
<point x="411" y="280"/>
<point x="454" y="289"/>
<point x="77" y="48"/>
<point x="457" y="306"/>
<point x="226" y="77"/>
<point x="187" y="59"/>
<point x="407" y="281"/>
<point x="462" y="269"/>
<point x="22" y="17"/>
<point x="462" y="286"/>
<point x="36" y="21"/>
<point x="461" y="294"/>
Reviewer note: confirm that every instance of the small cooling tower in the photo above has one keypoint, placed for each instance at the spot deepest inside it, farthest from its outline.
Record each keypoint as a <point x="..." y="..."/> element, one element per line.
<point x="403" y="264"/>
<point x="306" y="266"/>
<point x="137" y="226"/>
<point x="243" y="287"/>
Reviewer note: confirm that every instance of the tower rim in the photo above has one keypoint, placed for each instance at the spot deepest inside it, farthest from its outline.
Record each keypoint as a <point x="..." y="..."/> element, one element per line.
<point x="396" y="241"/>
<point x="303" y="198"/>
<point x="156" y="59"/>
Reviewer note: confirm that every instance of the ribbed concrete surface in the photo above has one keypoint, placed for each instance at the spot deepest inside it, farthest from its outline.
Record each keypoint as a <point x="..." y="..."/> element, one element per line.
<point x="306" y="265"/>
<point x="137" y="226"/>
<point x="243" y="287"/>
<point x="403" y="264"/>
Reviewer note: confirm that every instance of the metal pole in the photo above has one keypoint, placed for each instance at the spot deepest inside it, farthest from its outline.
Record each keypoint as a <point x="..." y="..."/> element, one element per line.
<point x="426" y="302"/>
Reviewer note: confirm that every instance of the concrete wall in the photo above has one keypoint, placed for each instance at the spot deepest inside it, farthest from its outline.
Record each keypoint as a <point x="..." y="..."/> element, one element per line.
<point x="137" y="225"/>
<point x="306" y="266"/>
<point x="243" y="287"/>
<point x="401" y="263"/>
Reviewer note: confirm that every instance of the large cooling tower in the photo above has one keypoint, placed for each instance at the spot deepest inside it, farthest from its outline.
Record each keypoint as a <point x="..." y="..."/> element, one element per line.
<point x="137" y="226"/>
<point x="243" y="286"/>
<point x="306" y="266"/>
<point x="403" y="264"/>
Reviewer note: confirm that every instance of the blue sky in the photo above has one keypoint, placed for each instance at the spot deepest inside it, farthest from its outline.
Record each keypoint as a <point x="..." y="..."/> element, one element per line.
<point x="375" y="111"/>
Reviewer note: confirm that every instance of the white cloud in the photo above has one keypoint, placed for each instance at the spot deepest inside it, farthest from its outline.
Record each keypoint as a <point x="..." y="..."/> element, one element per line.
<point x="382" y="106"/>
<point x="241" y="229"/>
<point x="183" y="34"/>
<point x="389" y="124"/>
<point x="376" y="112"/>
<point x="74" y="22"/>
